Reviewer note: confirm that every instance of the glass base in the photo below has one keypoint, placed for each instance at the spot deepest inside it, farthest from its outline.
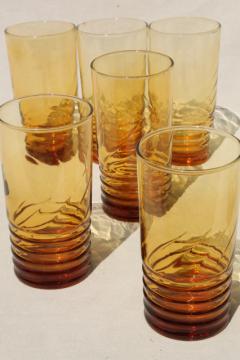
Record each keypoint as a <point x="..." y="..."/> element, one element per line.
<point x="181" y="330"/>
<point x="53" y="280"/>
<point x="52" y="268"/>
<point x="189" y="320"/>
<point x="190" y="148"/>
<point x="120" y="209"/>
<point x="190" y="158"/>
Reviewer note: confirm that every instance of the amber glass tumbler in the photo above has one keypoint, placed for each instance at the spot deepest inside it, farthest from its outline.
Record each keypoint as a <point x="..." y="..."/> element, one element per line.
<point x="132" y="95"/>
<point x="98" y="37"/>
<point x="188" y="218"/>
<point x="42" y="58"/>
<point x="47" y="176"/>
<point x="193" y="43"/>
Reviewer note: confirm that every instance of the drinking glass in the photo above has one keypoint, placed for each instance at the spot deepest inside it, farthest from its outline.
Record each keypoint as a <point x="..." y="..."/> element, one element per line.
<point x="193" y="43"/>
<point x="132" y="95"/>
<point x="98" y="37"/>
<point x="42" y="58"/>
<point x="188" y="216"/>
<point x="46" y="165"/>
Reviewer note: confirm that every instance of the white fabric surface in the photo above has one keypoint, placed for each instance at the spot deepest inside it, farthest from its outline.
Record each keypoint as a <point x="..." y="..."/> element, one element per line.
<point x="102" y="317"/>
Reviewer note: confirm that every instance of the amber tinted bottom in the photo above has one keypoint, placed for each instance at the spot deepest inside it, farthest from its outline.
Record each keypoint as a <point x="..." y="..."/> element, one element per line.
<point x="190" y="158"/>
<point x="190" y="148"/>
<point x="190" y="320"/>
<point x="120" y="209"/>
<point x="43" y="270"/>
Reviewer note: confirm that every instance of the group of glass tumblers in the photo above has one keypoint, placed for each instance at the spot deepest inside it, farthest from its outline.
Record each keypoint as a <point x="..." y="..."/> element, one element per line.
<point x="182" y="180"/>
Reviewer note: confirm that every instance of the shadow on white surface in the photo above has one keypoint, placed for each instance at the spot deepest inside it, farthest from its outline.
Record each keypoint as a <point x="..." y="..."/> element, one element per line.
<point x="235" y="297"/>
<point x="107" y="234"/>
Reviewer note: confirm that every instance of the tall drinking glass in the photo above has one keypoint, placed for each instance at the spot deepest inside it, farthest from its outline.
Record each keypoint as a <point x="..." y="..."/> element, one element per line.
<point x="188" y="218"/>
<point x="193" y="43"/>
<point x="46" y="166"/>
<point x="98" y="37"/>
<point x="42" y="58"/>
<point x="132" y="95"/>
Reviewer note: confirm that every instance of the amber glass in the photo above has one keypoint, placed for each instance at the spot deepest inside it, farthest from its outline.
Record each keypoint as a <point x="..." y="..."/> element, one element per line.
<point x="42" y="58"/>
<point x="188" y="218"/>
<point x="46" y="165"/>
<point x="193" y="44"/>
<point x="98" y="37"/>
<point x="132" y="95"/>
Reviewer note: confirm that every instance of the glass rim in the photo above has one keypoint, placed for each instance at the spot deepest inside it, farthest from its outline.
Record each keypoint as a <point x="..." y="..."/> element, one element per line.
<point x="111" y="34"/>
<point x="131" y="77"/>
<point x="40" y="130"/>
<point x="8" y="32"/>
<point x="204" y="32"/>
<point x="195" y="171"/>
